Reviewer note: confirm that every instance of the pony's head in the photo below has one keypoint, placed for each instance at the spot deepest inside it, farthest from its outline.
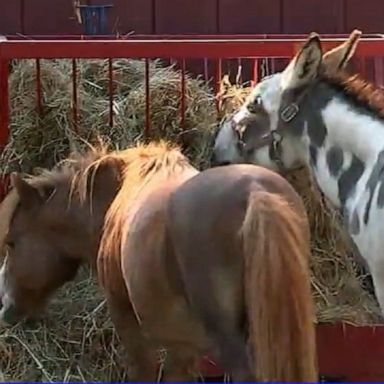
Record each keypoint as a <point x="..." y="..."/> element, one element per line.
<point x="50" y="224"/>
<point x="39" y="249"/>
<point x="265" y="129"/>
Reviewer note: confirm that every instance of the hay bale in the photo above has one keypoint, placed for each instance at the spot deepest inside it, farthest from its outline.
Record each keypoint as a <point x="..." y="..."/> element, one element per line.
<point x="42" y="140"/>
<point x="338" y="285"/>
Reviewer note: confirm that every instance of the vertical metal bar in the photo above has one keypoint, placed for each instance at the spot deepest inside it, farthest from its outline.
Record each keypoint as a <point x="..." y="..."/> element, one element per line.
<point x="74" y="95"/>
<point x="239" y="71"/>
<point x="183" y="90"/>
<point x="147" y="101"/>
<point x="378" y="68"/>
<point x="273" y="65"/>
<point x="363" y="66"/>
<point x="255" y="72"/>
<point x="206" y="69"/>
<point x="38" y="88"/>
<point x="110" y="70"/>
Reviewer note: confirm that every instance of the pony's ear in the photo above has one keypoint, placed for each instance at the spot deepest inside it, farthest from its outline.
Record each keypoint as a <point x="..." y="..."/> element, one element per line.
<point x="337" y="58"/>
<point x="304" y="67"/>
<point x="29" y="195"/>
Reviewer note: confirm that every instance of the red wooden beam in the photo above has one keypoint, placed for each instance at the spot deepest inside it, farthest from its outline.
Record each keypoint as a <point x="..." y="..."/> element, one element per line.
<point x="345" y="352"/>
<point x="179" y="49"/>
<point x="131" y="36"/>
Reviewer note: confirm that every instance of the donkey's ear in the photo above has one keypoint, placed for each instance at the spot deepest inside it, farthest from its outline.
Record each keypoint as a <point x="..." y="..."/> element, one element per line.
<point x="29" y="195"/>
<point x="305" y="66"/>
<point x="337" y="58"/>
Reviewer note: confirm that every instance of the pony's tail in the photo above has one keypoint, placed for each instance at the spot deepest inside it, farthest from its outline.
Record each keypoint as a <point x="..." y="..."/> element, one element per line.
<point x="278" y="296"/>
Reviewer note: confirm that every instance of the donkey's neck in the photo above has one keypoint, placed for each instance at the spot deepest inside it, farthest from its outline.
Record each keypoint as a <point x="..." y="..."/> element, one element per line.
<point x="352" y="142"/>
<point x="355" y="131"/>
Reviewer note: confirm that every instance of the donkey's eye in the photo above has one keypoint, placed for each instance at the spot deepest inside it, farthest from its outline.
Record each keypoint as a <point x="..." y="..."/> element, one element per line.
<point x="254" y="106"/>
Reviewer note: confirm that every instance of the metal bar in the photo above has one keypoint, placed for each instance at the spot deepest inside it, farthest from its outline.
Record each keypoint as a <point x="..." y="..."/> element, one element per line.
<point x="38" y="88"/>
<point x="182" y="100"/>
<point x="179" y="49"/>
<point x="379" y="71"/>
<point x="255" y="71"/>
<point x="147" y="130"/>
<point x="110" y="91"/>
<point x="206" y="70"/>
<point x="74" y="95"/>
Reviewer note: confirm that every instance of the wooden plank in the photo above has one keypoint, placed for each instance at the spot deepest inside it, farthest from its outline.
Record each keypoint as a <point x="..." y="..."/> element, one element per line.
<point x="346" y="353"/>
<point x="322" y="16"/>
<point x="244" y="16"/>
<point x="50" y="17"/>
<point x="367" y="15"/>
<point x="128" y="16"/>
<point x="185" y="16"/>
<point x="10" y="17"/>
<point x="351" y="353"/>
<point x="368" y="18"/>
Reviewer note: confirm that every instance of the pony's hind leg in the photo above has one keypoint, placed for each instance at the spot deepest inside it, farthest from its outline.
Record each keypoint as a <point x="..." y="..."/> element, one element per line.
<point x="220" y="312"/>
<point x="180" y="364"/>
<point x="142" y="358"/>
<point x="234" y="357"/>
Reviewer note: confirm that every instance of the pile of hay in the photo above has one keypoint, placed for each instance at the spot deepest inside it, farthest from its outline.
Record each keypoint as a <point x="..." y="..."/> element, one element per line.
<point x="337" y="282"/>
<point x="42" y="140"/>
<point x="75" y="341"/>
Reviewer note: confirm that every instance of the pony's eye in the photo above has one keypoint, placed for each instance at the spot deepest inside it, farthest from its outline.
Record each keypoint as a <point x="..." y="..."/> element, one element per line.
<point x="10" y="244"/>
<point x="258" y="100"/>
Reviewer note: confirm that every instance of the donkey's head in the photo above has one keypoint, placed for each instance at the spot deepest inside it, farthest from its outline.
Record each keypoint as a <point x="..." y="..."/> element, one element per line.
<point x="268" y="128"/>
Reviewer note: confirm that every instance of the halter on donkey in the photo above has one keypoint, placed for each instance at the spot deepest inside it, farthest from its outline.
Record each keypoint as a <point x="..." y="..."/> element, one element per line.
<point x="315" y="114"/>
<point x="188" y="260"/>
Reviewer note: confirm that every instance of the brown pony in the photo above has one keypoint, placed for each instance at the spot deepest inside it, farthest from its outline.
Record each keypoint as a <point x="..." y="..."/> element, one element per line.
<point x="190" y="262"/>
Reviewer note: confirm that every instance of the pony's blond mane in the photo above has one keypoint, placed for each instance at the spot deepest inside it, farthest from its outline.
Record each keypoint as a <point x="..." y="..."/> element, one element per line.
<point x="143" y="166"/>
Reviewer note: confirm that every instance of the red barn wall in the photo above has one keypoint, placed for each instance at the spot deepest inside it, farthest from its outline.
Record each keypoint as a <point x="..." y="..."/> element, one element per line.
<point x="198" y="16"/>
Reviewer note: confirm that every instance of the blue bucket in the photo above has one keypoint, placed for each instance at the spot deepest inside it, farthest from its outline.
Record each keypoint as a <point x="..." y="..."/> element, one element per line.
<point x="94" y="18"/>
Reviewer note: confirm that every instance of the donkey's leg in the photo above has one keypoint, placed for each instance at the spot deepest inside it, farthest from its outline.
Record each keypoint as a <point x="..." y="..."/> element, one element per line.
<point x="377" y="272"/>
<point x="142" y="359"/>
<point x="180" y="364"/>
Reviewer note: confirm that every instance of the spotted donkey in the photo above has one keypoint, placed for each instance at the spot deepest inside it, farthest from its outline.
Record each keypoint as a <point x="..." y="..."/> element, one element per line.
<point x="314" y="113"/>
